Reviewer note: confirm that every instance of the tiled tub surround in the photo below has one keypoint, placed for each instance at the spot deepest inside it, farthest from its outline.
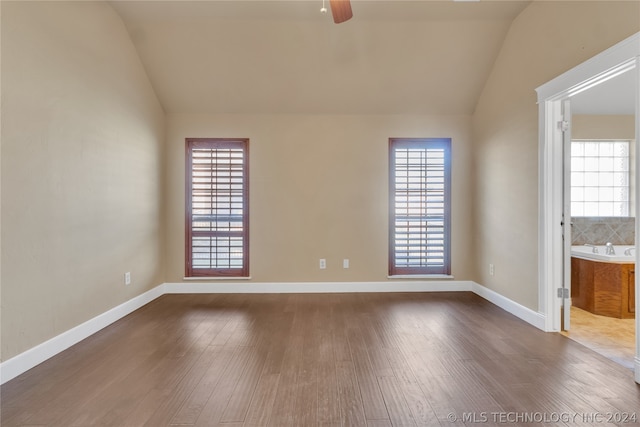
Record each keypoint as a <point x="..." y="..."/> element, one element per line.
<point x="600" y="230"/>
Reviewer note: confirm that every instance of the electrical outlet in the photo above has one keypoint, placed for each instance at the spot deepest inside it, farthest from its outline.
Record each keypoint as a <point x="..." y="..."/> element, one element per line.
<point x="127" y="278"/>
<point x="491" y="270"/>
<point x="323" y="264"/>
<point x="345" y="263"/>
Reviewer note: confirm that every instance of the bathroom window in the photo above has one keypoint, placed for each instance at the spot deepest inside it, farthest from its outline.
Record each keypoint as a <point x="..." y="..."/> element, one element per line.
<point x="419" y="200"/>
<point x="600" y="178"/>
<point x="217" y="207"/>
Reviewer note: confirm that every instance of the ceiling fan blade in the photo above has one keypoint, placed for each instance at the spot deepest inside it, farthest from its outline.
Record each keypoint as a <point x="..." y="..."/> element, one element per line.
<point x="341" y="10"/>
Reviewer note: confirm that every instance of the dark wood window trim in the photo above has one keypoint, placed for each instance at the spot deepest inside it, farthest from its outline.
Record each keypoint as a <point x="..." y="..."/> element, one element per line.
<point x="419" y="206"/>
<point x="217" y="207"/>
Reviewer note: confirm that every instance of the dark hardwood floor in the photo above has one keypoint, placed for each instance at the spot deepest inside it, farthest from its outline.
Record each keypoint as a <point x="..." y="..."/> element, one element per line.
<point x="375" y="359"/>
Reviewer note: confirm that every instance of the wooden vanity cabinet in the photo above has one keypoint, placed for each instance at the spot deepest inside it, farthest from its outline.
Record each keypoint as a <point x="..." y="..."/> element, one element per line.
<point x="632" y="292"/>
<point x="605" y="289"/>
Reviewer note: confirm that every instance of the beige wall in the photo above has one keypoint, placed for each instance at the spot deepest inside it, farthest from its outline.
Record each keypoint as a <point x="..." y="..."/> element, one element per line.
<point x="587" y="126"/>
<point x="318" y="189"/>
<point x="82" y="145"/>
<point x="545" y="40"/>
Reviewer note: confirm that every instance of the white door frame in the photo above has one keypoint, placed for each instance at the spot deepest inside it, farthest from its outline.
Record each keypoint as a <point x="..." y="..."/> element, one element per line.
<point x="618" y="59"/>
<point x="565" y="323"/>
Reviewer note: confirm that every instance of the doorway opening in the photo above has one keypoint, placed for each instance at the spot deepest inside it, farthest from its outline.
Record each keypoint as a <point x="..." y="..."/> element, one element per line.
<point x="554" y="217"/>
<point x="599" y="198"/>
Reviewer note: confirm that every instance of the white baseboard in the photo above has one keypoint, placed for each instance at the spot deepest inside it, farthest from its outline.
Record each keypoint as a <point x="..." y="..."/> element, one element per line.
<point x="38" y="354"/>
<point x="317" y="287"/>
<point x="636" y="369"/>
<point x="534" y="318"/>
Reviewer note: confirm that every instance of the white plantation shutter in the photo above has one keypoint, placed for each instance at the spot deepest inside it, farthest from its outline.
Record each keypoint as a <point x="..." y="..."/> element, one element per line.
<point x="419" y="199"/>
<point x="217" y="207"/>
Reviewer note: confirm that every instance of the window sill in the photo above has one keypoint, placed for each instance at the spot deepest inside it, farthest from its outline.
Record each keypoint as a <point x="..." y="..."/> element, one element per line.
<point x="218" y="278"/>
<point x="421" y="276"/>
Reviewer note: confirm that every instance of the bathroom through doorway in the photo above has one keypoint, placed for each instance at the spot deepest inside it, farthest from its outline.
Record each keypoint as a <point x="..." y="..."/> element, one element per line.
<point x="556" y="100"/>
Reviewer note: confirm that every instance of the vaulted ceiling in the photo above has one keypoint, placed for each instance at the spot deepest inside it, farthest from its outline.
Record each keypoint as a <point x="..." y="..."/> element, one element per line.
<point x="393" y="57"/>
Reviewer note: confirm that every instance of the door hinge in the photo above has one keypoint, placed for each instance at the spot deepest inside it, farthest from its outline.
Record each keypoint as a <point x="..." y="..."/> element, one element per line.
<point x="563" y="125"/>
<point x="563" y="293"/>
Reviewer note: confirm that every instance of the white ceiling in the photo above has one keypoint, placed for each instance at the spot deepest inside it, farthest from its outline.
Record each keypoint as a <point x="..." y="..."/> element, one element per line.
<point x="393" y="57"/>
<point x="615" y="96"/>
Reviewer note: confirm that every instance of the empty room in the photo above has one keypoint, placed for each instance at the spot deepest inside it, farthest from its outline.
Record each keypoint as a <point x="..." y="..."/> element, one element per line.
<point x="319" y="213"/>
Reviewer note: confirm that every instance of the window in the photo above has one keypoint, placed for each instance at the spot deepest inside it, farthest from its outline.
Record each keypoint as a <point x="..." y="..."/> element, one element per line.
<point x="217" y="211"/>
<point x="600" y="178"/>
<point x="419" y="201"/>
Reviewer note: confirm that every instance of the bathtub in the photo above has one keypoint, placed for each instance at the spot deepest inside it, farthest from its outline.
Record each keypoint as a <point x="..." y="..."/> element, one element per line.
<point x="586" y="252"/>
<point x="604" y="284"/>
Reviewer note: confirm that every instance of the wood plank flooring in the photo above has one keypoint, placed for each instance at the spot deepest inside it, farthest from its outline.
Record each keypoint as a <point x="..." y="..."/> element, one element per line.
<point x="368" y="359"/>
